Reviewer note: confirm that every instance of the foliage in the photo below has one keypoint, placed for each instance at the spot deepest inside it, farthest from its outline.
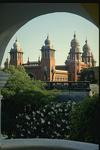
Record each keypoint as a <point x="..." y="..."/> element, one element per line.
<point x="0" y="91"/>
<point x="49" y="121"/>
<point x="84" y="120"/>
<point x="18" y="81"/>
<point x="18" y="92"/>
<point x="13" y="105"/>
<point x="87" y="74"/>
<point x="39" y="84"/>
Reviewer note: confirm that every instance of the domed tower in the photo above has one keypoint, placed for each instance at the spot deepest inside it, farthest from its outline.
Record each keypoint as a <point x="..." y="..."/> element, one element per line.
<point x="47" y="61"/>
<point x="87" y="56"/>
<point x="16" y="54"/>
<point x="73" y="62"/>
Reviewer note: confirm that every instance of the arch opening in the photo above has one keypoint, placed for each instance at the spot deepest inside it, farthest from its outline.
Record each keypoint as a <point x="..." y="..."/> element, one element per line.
<point x="8" y="28"/>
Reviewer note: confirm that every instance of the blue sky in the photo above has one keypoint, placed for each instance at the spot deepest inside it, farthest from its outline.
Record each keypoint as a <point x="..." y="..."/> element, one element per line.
<point x="60" y="26"/>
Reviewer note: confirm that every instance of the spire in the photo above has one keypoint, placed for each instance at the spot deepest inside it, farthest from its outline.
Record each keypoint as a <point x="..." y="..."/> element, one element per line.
<point x="47" y="41"/>
<point x="48" y="36"/>
<point x="86" y="40"/>
<point x="74" y="35"/>
<point x="16" y="38"/>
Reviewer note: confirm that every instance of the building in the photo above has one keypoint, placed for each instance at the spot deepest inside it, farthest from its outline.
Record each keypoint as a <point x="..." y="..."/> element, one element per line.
<point x="76" y="60"/>
<point x="45" y="68"/>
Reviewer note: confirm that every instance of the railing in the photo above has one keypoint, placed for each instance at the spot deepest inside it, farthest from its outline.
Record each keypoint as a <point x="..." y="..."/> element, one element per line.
<point x="46" y="144"/>
<point x="69" y="85"/>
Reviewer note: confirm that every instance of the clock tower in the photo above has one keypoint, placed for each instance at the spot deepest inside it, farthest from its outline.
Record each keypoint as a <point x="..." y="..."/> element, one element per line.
<point x="16" y="54"/>
<point x="47" y="61"/>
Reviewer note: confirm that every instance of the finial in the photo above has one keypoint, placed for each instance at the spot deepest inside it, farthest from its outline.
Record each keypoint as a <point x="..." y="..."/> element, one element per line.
<point x="86" y="40"/>
<point x="48" y="36"/>
<point x="16" y="38"/>
<point x="74" y="35"/>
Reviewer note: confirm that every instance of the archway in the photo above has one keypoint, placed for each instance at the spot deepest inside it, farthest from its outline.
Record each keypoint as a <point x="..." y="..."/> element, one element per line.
<point x="23" y="12"/>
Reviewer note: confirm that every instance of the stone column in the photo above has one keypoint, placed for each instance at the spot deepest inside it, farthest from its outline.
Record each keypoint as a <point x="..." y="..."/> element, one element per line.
<point x="0" y="113"/>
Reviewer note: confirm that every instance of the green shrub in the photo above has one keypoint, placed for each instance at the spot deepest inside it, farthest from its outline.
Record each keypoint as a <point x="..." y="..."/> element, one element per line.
<point x="84" y="121"/>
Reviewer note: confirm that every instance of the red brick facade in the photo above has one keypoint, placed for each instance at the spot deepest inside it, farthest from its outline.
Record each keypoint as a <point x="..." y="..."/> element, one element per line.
<point x="45" y="69"/>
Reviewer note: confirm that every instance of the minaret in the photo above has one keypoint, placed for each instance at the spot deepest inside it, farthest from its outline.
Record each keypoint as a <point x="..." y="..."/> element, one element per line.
<point x="16" y="54"/>
<point x="73" y="62"/>
<point x="87" y="56"/>
<point x="47" y="61"/>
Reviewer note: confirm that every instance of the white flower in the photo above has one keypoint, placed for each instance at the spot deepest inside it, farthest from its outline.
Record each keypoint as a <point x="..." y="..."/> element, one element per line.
<point x="55" y="132"/>
<point x="34" y="118"/>
<point x="63" y="120"/>
<point x="19" y="115"/>
<point x="52" y="112"/>
<point x="34" y="128"/>
<point x="49" y="113"/>
<point x="29" y="132"/>
<point x="45" y="106"/>
<point x="68" y="127"/>
<point x="60" y="109"/>
<point x="42" y="130"/>
<point x="23" y="129"/>
<point x="27" y="123"/>
<point x="37" y="123"/>
<point x="18" y="125"/>
<point x="22" y="134"/>
<point x="33" y="113"/>
<point x="57" y="105"/>
<point x="38" y="112"/>
<point x="27" y="117"/>
<point x="44" y="110"/>
<point x="42" y="120"/>
<point x="48" y="122"/>
<point x="58" y="134"/>
<point x="58" y="125"/>
<point x="63" y="129"/>
<point x="42" y="114"/>
<point x="31" y="122"/>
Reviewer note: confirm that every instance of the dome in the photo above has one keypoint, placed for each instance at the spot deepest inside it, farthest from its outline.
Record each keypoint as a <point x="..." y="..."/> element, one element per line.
<point x="47" y="41"/>
<point x="16" y="46"/>
<point x="74" y="42"/>
<point x="86" y="47"/>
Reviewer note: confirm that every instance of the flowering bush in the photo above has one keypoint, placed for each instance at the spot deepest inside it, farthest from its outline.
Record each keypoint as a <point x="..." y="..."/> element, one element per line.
<point x="51" y="121"/>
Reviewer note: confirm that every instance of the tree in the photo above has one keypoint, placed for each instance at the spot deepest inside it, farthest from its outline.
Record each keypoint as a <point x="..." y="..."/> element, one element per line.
<point x="18" y="81"/>
<point x="18" y="92"/>
<point x="84" y="120"/>
<point x="88" y="74"/>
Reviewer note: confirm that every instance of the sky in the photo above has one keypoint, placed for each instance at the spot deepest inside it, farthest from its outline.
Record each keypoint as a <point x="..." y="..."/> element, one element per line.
<point x="61" y="27"/>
